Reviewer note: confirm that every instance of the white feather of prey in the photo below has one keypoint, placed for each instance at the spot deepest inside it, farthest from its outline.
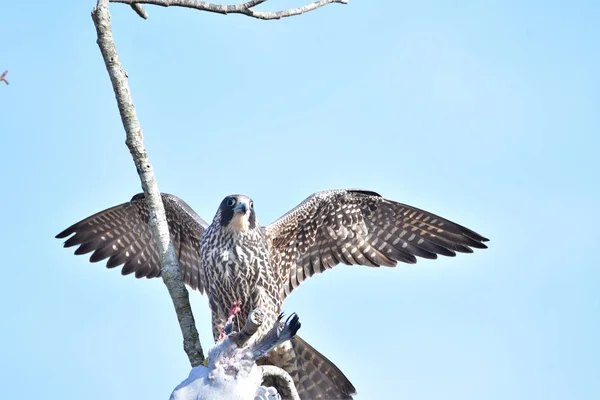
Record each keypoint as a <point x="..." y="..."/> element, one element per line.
<point x="232" y="373"/>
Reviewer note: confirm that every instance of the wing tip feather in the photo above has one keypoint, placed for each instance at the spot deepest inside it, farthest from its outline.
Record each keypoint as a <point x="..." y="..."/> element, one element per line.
<point x="81" y="250"/>
<point x="66" y="233"/>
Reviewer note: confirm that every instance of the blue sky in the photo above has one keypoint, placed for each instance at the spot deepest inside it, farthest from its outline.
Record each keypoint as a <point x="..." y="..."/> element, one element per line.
<point x="485" y="112"/>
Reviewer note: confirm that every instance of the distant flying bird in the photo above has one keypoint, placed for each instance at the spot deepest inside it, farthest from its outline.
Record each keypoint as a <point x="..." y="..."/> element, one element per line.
<point x="3" y="77"/>
<point x="231" y="372"/>
<point x="234" y="259"/>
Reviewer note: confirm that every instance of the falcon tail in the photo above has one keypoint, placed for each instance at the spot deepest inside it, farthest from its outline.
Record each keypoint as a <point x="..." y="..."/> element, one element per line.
<point x="319" y="378"/>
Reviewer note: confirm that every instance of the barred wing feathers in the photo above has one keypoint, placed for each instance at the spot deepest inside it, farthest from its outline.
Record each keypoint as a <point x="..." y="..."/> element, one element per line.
<point x="122" y="235"/>
<point x="358" y="227"/>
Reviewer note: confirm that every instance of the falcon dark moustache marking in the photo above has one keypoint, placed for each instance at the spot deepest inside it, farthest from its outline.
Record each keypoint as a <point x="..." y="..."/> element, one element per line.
<point x="234" y="259"/>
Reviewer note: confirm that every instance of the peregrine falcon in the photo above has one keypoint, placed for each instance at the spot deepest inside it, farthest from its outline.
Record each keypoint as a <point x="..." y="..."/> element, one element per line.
<point x="234" y="259"/>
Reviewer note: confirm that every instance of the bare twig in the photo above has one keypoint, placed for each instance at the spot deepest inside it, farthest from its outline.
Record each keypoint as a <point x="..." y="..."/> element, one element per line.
<point x="244" y="8"/>
<point x="158" y="223"/>
<point x="3" y="77"/>
<point x="281" y="379"/>
<point x="139" y="10"/>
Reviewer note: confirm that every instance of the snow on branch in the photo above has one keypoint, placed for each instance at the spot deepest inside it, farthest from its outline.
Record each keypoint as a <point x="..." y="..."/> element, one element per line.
<point x="158" y="223"/>
<point x="244" y="8"/>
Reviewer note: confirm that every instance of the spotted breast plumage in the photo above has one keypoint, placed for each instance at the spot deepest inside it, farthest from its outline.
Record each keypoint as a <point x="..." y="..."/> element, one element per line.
<point x="234" y="259"/>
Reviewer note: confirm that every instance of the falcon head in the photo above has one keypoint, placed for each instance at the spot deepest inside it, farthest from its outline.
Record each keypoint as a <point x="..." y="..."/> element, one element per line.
<point x="236" y="213"/>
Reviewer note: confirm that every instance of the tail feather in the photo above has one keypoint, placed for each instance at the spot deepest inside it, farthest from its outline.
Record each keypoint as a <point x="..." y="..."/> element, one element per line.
<point x="315" y="377"/>
<point x="319" y="378"/>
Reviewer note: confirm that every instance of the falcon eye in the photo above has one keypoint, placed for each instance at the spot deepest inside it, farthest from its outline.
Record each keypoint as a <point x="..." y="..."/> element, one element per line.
<point x="252" y="205"/>
<point x="231" y="202"/>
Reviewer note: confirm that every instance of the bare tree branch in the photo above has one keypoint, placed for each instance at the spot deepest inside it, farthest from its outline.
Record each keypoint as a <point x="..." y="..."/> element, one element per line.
<point x="281" y="379"/>
<point x="158" y="222"/>
<point x="3" y="77"/>
<point x="244" y="8"/>
<point x="254" y="321"/>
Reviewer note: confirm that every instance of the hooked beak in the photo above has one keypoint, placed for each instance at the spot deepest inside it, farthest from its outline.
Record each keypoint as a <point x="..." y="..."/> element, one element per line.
<point x="242" y="207"/>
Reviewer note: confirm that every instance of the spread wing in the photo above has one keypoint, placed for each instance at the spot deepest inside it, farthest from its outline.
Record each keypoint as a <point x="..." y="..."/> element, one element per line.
<point x="360" y="227"/>
<point x="122" y="235"/>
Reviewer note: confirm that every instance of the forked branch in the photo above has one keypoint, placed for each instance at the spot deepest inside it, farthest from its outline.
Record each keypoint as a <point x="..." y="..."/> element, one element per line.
<point x="244" y="8"/>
